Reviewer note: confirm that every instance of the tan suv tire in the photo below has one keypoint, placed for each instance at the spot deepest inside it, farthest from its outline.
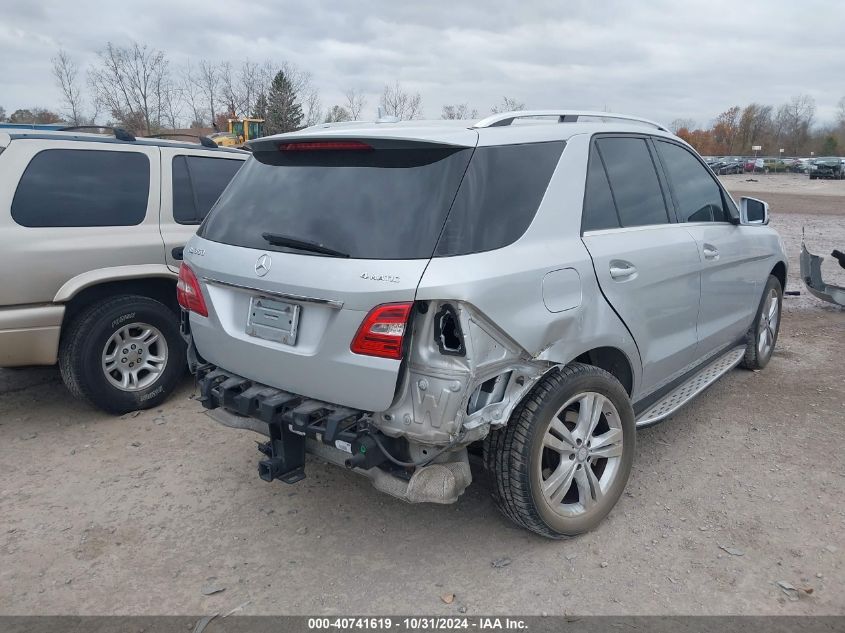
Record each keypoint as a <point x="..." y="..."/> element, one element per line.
<point x="123" y="354"/>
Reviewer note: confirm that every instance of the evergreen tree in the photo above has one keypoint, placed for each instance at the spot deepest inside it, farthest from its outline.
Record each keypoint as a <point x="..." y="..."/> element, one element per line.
<point x="284" y="112"/>
<point x="260" y="111"/>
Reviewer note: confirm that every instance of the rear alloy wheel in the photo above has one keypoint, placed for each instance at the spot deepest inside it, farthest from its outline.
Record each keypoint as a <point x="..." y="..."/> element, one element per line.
<point x="763" y="335"/>
<point x="563" y="460"/>
<point x="581" y="454"/>
<point x="123" y="353"/>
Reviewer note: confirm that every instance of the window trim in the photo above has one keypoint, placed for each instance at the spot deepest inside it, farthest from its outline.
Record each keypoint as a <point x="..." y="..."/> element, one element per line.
<point x="670" y="214"/>
<point x="713" y="177"/>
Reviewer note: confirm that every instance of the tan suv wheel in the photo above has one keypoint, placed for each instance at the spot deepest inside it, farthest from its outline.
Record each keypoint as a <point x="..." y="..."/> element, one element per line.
<point x="123" y="354"/>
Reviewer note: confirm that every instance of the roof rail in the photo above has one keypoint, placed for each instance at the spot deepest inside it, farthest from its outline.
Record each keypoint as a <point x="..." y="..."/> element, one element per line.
<point x="204" y="140"/>
<point x="564" y="116"/>
<point x="119" y="133"/>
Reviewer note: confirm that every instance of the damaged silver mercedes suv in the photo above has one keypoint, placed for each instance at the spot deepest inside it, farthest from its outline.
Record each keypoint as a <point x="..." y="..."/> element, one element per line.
<point x="535" y="285"/>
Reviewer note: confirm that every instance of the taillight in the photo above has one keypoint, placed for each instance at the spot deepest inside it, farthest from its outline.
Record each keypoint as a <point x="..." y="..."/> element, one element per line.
<point x="312" y="146"/>
<point x="188" y="291"/>
<point x="382" y="331"/>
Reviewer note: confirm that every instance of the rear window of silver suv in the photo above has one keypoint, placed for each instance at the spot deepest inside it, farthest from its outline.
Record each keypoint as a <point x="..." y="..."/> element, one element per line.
<point x="386" y="203"/>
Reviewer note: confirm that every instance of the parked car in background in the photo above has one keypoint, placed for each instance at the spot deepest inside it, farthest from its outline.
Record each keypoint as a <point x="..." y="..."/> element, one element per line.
<point x="385" y="295"/>
<point x="733" y="166"/>
<point x="91" y="233"/>
<point x="828" y="167"/>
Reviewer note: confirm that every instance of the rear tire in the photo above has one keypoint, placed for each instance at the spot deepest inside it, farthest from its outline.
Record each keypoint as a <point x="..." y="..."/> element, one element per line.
<point x="763" y="335"/>
<point x="551" y="476"/>
<point x="123" y="354"/>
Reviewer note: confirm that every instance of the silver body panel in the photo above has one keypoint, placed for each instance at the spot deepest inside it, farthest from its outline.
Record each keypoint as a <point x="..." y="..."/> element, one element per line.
<point x="544" y="300"/>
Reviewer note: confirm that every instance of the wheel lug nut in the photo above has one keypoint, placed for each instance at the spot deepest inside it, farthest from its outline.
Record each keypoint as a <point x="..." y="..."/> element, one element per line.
<point x="125" y="351"/>
<point x="572" y="456"/>
<point x="133" y="345"/>
<point x="122" y="360"/>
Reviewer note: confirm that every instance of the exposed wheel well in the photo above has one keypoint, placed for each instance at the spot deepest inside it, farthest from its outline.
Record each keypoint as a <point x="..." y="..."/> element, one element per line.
<point x="779" y="271"/>
<point x="159" y="288"/>
<point x="613" y="361"/>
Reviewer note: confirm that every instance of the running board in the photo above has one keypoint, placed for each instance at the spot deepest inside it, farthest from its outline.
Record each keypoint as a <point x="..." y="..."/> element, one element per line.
<point x="688" y="390"/>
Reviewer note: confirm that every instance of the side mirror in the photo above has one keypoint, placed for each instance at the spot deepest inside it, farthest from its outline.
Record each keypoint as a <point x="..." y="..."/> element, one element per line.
<point x="753" y="211"/>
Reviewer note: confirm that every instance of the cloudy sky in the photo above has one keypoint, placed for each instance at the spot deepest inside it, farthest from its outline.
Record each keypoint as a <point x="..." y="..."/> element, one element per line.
<point x="663" y="59"/>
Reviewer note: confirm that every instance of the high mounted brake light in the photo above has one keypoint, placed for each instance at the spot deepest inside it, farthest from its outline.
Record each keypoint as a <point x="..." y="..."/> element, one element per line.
<point x="188" y="292"/>
<point x="383" y="330"/>
<point x="318" y="146"/>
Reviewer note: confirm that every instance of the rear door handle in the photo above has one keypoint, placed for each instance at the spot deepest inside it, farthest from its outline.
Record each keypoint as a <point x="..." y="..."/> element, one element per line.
<point x="622" y="270"/>
<point x="710" y="252"/>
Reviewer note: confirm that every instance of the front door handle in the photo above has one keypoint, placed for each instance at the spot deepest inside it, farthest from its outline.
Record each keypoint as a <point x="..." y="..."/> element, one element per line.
<point x="622" y="270"/>
<point x="710" y="252"/>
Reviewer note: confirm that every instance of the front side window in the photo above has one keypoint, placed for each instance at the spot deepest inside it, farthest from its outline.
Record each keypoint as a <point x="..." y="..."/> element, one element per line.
<point x="697" y="196"/>
<point x="70" y="187"/>
<point x="633" y="181"/>
<point x="197" y="183"/>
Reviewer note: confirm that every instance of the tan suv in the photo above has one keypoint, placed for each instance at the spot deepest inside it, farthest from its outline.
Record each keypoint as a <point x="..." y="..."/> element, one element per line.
<point x="91" y="231"/>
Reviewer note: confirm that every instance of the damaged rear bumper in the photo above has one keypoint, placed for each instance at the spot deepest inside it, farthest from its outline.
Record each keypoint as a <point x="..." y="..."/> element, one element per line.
<point x="811" y="273"/>
<point x="342" y="436"/>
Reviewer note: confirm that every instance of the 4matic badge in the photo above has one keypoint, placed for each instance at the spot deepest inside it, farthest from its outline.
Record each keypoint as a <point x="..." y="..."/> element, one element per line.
<point x="394" y="279"/>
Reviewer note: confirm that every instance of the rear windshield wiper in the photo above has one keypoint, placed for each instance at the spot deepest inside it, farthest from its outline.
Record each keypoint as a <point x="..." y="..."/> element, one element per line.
<point x="302" y="245"/>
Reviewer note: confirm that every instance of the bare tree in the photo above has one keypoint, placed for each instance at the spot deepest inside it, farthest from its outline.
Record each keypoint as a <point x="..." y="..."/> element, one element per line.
<point x="508" y="104"/>
<point x="190" y="91"/>
<point x="458" y="111"/>
<point x="840" y="112"/>
<point x="66" y="72"/>
<point x="681" y="124"/>
<point x="229" y="89"/>
<point x="209" y="85"/>
<point x="337" y="113"/>
<point x="403" y="105"/>
<point x="793" y="122"/>
<point x="129" y="81"/>
<point x="355" y="103"/>
<point x="2" y="113"/>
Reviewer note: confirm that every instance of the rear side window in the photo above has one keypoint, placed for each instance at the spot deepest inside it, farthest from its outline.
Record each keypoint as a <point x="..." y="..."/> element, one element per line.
<point x="599" y="210"/>
<point x="385" y="203"/>
<point x="633" y="181"/>
<point x="197" y="183"/>
<point x="69" y="187"/>
<point x="697" y="196"/>
<point x="498" y="197"/>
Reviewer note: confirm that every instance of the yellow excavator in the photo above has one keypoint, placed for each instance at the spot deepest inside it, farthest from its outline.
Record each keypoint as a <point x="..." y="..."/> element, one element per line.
<point x="240" y="131"/>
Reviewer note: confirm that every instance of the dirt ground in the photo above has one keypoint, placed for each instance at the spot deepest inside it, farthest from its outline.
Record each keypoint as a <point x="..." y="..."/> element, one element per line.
<point x="741" y="489"/>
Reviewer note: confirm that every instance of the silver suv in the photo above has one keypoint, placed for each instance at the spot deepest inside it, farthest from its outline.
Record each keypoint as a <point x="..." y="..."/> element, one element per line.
<point x="387" y="295"/>
<point x="91" y="232"/>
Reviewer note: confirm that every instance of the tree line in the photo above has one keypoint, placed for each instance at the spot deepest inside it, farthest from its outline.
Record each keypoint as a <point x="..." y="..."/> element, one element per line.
<point x="137" y="87"/>
<point x="791" y="127"/>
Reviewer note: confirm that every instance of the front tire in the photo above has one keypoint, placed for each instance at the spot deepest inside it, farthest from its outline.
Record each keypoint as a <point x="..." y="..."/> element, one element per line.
<point x="562" y="461"/>
<point x="763" y="335"/>
<point x="123" y="354"/>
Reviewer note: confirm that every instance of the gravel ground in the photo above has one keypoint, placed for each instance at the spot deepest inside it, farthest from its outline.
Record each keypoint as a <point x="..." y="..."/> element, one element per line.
<point x="142" y="514"/>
